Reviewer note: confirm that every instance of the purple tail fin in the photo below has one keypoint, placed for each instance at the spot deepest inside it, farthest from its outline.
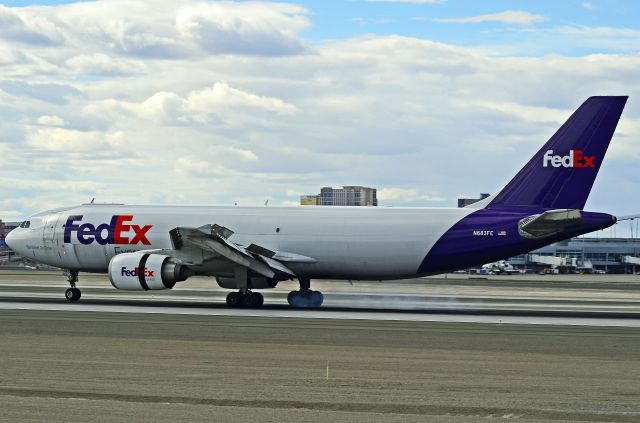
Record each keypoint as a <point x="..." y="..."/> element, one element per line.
<point x="560" y="175"/>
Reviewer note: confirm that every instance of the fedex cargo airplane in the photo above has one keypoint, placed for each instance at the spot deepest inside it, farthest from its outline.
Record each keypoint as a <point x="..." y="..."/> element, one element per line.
<point x="253" y="248"/>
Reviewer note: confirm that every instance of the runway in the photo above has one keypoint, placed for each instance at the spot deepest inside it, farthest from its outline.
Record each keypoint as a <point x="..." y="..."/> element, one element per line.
<point x="463" y="312"/>
<point x="434" y="300"/>
<point x="426" y="350"/>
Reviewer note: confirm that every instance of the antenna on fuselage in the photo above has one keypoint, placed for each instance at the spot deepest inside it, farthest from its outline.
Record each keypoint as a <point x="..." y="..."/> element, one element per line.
<point x="92" y="200"/>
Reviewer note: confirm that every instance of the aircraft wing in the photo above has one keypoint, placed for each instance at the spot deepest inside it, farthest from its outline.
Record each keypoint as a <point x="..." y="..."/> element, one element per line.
<point x="549" y="223"/>
<point x="198" y="245"/>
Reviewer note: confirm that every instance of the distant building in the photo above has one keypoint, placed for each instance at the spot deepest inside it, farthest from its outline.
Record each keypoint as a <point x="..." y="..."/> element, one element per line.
<point x="345" y="196"/>
<point x="613" y="255"/>
<point x="5" y="252"/>
<point x="464" y="202"/>
<point x="309" y="200"/>
<point x="5" y="228"/>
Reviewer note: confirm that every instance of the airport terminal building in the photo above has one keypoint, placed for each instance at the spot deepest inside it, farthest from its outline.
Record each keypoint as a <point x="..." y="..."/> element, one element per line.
<point x="612" y="255"/>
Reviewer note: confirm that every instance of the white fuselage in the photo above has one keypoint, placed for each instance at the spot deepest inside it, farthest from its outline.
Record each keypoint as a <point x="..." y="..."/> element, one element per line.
<point x="346" y="242"/>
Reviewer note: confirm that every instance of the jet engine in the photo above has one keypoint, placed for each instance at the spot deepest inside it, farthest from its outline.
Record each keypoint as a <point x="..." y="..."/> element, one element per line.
<point x="143" y="271"/>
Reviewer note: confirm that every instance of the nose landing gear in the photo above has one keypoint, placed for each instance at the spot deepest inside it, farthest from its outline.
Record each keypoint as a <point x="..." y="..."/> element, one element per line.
<point x="72" y="294"/>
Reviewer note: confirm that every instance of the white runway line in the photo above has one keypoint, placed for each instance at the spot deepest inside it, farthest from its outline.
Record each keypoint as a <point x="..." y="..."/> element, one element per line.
<point x="319" y="314"/>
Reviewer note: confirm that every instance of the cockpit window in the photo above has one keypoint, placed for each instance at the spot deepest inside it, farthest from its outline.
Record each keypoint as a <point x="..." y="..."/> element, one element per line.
<point x="25" y="224"/>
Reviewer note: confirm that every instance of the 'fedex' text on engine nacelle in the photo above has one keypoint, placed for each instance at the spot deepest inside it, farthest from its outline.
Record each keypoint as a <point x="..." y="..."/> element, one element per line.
<point x="115" y="232"/>
<point x="136" y="272"/>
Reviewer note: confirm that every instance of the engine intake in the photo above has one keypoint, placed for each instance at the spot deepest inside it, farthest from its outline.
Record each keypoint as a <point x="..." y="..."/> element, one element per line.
<point x="143" y="272"/>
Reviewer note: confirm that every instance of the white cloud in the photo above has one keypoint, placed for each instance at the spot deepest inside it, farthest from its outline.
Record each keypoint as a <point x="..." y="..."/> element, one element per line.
<point x="190" y="166"/>
<point x="63" y="140"/>
<point x="54" y="186"/>
<point x="11" y="214"/>
<point x="405" y="195"/>
<point x="219" y="103"/>
<point x="157" y="30"/>
<point x="222" y="96"/>
<point x="531" y="114"/>
<point x="608" y="35"/>
<point x="128" y="116"/>
<point x="49" y="120"/>
<point x="567" y="39"/>
<point x="247" y="28"/>
<point x="102" y="64"/>
<point x="513" y="17"/>
<point x="21" y="26"/>
<point x="587" y="5"/>
<point x="229" y="151"/>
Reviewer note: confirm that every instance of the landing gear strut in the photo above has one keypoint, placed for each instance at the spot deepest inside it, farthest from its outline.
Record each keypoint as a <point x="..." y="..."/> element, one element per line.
<point x="72" y="294"/>
<point x="305" y="297"/>
<point x="245" y="298"/>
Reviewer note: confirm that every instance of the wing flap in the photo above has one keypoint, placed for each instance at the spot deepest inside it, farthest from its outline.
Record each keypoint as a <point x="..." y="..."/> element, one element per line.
<point x="233" y="254"/>
<point x="214" y="240"/>
<point x="276" y="265"/>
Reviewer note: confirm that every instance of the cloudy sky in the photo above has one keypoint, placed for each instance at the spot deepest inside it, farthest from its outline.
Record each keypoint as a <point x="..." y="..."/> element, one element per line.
<point x="195" y="102"/>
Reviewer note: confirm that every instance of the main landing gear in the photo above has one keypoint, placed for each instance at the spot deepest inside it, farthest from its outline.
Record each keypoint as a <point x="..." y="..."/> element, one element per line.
<point x="305" y="297"/>
<point x="245" y="298"/>
<point x="72" y="294"/>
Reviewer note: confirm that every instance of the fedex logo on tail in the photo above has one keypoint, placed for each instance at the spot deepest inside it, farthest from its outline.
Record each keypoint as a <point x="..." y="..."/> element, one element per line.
<point x="118" y="231"/>
<point x="575" y="158"/>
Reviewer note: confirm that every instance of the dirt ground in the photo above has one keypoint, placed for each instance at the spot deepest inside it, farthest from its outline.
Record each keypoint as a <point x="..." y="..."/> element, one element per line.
<point x="115" y="367"/>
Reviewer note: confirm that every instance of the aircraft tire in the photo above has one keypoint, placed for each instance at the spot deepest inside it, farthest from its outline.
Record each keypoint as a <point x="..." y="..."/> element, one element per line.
<point x="260" y="299"/>
<point x="252" y="299"/>
<point x="234" y="299"/>
<point x="316" y="299"/>
<point x="72" y="294"/>
<point x="305" y="299"/>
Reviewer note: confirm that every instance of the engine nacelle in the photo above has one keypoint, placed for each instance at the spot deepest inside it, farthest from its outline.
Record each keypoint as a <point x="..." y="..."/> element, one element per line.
<point x="143" y="271"/>
<point x="252" y="283"/>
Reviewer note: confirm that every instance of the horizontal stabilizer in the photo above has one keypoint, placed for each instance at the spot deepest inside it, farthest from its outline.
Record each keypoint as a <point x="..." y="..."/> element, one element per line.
<point x="628" y="217"/>
<point x="549" y="223"/>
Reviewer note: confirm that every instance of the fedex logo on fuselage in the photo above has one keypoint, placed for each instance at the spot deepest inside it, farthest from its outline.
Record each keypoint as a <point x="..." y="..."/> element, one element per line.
<point x="118" y="231"/>
<point x="575" y="158"/>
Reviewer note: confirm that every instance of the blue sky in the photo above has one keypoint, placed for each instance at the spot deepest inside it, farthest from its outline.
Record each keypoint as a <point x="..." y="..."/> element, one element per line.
<point x="336" y="19"/>
<point x="343" y="19"/>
